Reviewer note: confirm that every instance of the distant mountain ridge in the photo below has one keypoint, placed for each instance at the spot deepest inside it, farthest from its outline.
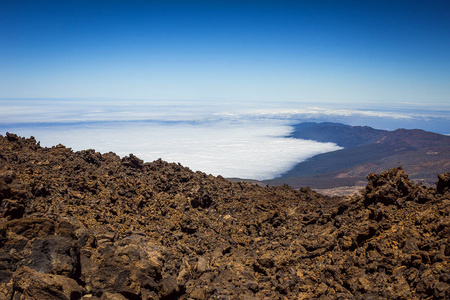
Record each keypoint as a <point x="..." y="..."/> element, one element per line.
<point x="343" y="135"/>
<point x="421" y="153"/>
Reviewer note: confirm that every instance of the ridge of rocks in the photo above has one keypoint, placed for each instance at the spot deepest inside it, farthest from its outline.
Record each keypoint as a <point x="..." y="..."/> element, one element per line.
<point x="85" y="225"/>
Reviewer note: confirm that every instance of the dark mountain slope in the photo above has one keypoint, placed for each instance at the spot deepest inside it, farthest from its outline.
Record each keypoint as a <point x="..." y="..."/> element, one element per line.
<point x="95" y="226"/>
<point x="343" y="135"/>
<point x="422" y="154"/>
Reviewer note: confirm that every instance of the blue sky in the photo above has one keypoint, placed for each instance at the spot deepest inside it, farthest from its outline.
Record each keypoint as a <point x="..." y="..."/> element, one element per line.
<point x="324" y="51"/>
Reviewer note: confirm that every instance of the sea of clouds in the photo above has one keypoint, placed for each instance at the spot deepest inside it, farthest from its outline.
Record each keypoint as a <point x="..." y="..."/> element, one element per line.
<point x="232" y="139"/>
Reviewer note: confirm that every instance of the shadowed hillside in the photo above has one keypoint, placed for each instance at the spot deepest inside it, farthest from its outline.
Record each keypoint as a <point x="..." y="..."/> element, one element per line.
<point x="343" y="135"/>
<point x="85" y="225"/>
<point x="422" y="154"/>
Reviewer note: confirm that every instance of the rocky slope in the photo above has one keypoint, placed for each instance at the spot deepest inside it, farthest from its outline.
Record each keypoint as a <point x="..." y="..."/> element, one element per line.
<point x="93" y="226"/>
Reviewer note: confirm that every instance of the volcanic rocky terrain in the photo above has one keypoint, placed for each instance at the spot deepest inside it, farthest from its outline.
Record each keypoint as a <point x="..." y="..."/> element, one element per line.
<point x="85" y="225"/>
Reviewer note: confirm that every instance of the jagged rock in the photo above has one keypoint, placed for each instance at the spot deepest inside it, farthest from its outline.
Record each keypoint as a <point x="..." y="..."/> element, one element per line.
<point x="132" y="161"/>
<point x="12" y="209"/>
<point x="55" y="255"/>
<point x="94" y="226"/>
<point x="394" y="187"/>
<point x="29" y="284"/>
<point x="168" y="288"/>
<point x="112" y="296"/>
<point x="443" y="184"/>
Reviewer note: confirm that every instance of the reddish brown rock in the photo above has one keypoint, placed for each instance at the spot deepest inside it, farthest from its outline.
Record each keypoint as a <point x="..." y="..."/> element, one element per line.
<point x="443" y="183"/>
<point x="91" y="225"/>
<point x="30" y="284"/>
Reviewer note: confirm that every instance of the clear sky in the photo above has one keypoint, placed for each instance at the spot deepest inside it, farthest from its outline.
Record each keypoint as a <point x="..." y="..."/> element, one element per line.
<point x="378" y="51"/>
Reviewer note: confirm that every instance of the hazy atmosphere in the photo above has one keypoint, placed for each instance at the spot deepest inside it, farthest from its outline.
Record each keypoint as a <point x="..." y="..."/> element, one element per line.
<point x="216" y="85"/>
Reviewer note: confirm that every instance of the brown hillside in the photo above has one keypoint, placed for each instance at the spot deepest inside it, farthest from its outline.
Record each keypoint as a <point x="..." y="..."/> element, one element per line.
<point x="85" y="225"/>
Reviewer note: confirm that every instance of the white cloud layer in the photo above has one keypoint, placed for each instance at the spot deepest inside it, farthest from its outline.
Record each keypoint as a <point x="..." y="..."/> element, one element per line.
<point x="254" y="150"/>
<point x="232" y="139"/>
<point x="41" y="111"/>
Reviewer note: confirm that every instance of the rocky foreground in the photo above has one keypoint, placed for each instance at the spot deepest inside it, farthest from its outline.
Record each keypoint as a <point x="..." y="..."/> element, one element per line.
<point x="94" y="226"/>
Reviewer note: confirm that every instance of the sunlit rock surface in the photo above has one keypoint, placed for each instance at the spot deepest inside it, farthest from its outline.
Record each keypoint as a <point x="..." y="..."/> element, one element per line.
<point x="94" y="226"/>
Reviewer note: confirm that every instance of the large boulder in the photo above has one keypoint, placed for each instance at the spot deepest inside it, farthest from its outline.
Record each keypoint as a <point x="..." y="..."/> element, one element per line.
<point x="443" y="183"/>
<point x="29" y="284"/>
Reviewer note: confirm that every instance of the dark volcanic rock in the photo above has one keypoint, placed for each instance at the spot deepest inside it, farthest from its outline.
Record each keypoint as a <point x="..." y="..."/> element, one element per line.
<point x="31" y="284"/>
<point x="94" y="226"/>
<point x="394" y="187"/>
<point x="443" y="184"/>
